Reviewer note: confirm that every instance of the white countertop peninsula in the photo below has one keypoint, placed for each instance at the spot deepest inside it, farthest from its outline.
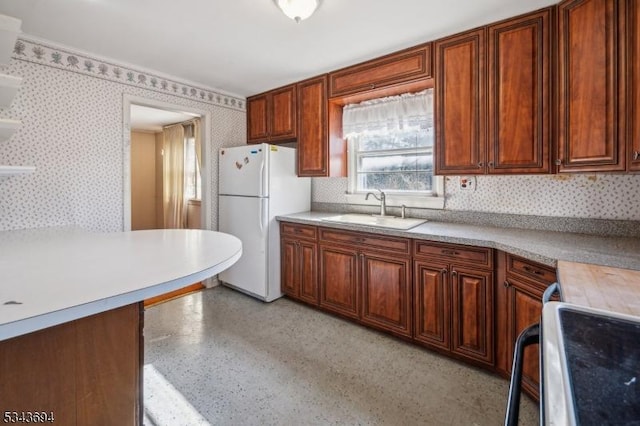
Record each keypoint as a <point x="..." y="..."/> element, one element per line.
<point x="51" y="276"/>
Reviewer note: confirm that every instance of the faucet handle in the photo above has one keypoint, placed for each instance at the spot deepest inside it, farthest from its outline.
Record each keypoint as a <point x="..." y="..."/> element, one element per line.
<point x="402" y="211"/>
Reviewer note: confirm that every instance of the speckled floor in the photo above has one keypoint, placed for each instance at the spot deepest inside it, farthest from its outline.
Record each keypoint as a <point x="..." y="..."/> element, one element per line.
<point x="219" y="357"/>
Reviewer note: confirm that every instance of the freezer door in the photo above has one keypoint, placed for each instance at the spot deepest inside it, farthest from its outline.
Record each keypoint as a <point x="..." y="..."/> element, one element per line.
<point x="244" y="171"/>
<point x="247" y="219"/>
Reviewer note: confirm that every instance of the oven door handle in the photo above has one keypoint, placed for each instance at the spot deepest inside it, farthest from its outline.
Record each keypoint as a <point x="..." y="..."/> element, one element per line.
<point x="529" y="336"/>
<point x="549" y="292"/>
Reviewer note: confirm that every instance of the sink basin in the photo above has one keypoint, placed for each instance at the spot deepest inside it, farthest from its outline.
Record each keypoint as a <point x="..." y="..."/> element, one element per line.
<point x="379" y="221"/>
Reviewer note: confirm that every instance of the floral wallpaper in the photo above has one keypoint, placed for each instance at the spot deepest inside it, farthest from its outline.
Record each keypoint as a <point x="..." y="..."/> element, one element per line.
<point x="72" y="132"/>
<point x="62" y="58"/>
<point x="594" y="196"/>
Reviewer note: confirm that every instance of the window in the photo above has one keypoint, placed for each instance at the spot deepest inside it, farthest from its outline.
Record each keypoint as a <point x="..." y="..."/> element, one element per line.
<point x="391" y="145"/>
<point x="192" y="180"/>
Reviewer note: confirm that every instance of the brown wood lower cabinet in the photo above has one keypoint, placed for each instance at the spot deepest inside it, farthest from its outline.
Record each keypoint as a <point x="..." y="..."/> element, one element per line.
<point x="299" y="259"/>
<point x="453" y="309"/>
<point x="367" y="277"/>
<point x="386" y="292"/>
<point x="84" y="372"/>
<point x="464" y="301"/>
<point x="519" y="289"/>
<point x="339" y="280"/>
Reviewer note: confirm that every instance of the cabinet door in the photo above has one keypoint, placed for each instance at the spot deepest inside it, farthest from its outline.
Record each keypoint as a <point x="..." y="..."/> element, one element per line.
<point x="633" y="63"/>
<point x="289" y="283"/>
<point x="460" y="104"/>
<point x="108" y="369"/>
<point x="308" y="261"/>
<point x="339" y="280"/>
<point x="591" y="86"/>
<point x="282" y="114"/>
<point x="431" y="298"/>
<point x="400" y="67"/>
<point x="313" y="144"/>
<point x="472" y="311"/>
<point x="386" y="293"/>
<point x="39" y="373"/>
<point x="257" y="124"/>
<point x="519" y="109"/>
<point x="524" y="303"/>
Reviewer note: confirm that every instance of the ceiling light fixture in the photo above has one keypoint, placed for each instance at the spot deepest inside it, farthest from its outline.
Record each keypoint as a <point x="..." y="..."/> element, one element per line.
<point x="297" y="10"/>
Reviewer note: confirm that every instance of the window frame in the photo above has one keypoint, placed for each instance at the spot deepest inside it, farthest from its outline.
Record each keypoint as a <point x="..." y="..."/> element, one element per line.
<point x="433" y="199"/>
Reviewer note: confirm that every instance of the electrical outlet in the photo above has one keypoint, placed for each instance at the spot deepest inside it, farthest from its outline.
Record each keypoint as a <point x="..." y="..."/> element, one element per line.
<point x="467" y="183"/>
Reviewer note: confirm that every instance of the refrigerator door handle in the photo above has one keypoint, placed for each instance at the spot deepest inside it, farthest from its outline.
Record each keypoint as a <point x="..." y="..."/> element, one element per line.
<point x="263" y="210"/>
<point x="262" y="188"/>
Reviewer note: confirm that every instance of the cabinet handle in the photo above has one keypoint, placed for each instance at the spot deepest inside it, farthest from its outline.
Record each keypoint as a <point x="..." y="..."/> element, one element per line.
<point x="450" y="252"/>
<point x="636" y="155"/>
<point x="373" y="86"/>
<point x="531" y="270"/>
<point x="506" y="284"/>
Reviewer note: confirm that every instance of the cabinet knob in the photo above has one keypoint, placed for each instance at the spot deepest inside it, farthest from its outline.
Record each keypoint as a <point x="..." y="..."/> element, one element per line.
<point x="506" y="284"/>
<point x="636" y="155"/>
<point x="480" y="164"/>
<point x="490" y="163"/>
<point x="373" y="86"/>
<point x="444" y="271"/>
<point x="559" y="162"/>
<point x="454" y="273"/>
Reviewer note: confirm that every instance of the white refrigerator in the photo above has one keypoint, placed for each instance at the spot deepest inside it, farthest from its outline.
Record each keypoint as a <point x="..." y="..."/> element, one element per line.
<point x="256" y="184"/>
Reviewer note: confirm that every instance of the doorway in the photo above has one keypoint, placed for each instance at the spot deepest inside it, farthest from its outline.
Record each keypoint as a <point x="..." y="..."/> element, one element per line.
<point x="160" y="191"/>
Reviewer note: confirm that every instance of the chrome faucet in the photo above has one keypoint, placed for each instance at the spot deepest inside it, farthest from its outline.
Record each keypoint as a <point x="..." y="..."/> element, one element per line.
<point x="382" y="199"/>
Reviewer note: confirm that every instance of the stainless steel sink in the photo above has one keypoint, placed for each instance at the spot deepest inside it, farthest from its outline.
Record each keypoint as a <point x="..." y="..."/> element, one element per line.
<point x="374" y="220"/>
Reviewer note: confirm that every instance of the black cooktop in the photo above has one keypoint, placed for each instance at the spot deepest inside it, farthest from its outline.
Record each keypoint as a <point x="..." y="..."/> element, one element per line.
<point x="603" y="355"/>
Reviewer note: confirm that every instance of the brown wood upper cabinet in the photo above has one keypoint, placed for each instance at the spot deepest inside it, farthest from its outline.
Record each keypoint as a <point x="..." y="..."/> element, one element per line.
<point x="519" y="61"/>
<point x="400" y="67"/>
<point x="494" y="116"/>
<point x="633" y="64"/>
<point x="313" y="143"/>
<point x="591" y="92"/>
<point x="271" y="116"/>
<point x="460" y="103"/>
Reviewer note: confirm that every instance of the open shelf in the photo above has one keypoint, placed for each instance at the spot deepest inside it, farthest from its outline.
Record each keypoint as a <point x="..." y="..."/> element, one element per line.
<point x="16" y="170"/>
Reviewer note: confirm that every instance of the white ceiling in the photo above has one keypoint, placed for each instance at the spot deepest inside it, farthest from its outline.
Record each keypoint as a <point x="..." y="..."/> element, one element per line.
<point x="151" y="119"/>
<point x="248" y="46"/>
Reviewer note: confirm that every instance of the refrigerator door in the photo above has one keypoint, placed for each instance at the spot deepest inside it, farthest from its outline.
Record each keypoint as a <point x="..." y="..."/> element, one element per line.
<point x="244" y="170"/>
<point x="247" y="219"/>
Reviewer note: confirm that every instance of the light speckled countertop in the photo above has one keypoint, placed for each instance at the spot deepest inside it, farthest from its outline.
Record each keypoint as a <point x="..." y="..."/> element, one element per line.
<point x="541" y="246"/>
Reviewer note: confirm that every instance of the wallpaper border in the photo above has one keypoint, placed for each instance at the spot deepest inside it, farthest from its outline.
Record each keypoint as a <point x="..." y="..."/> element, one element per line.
<point x="67" y="59"/>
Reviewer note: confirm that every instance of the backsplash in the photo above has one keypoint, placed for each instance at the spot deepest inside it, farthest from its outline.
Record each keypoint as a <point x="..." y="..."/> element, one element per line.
<point x="73" y="131"/>
<point x="594" y="196"/>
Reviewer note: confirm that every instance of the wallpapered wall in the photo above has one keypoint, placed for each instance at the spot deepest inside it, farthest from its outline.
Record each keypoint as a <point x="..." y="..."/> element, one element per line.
<point x="595" y="196"/>
<point x="71" y="107"/>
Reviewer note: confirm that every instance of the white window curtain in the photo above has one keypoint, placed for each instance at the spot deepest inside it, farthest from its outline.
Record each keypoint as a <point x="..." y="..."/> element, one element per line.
<point x="173" y="176"/>
<point x="386" y="115"/>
